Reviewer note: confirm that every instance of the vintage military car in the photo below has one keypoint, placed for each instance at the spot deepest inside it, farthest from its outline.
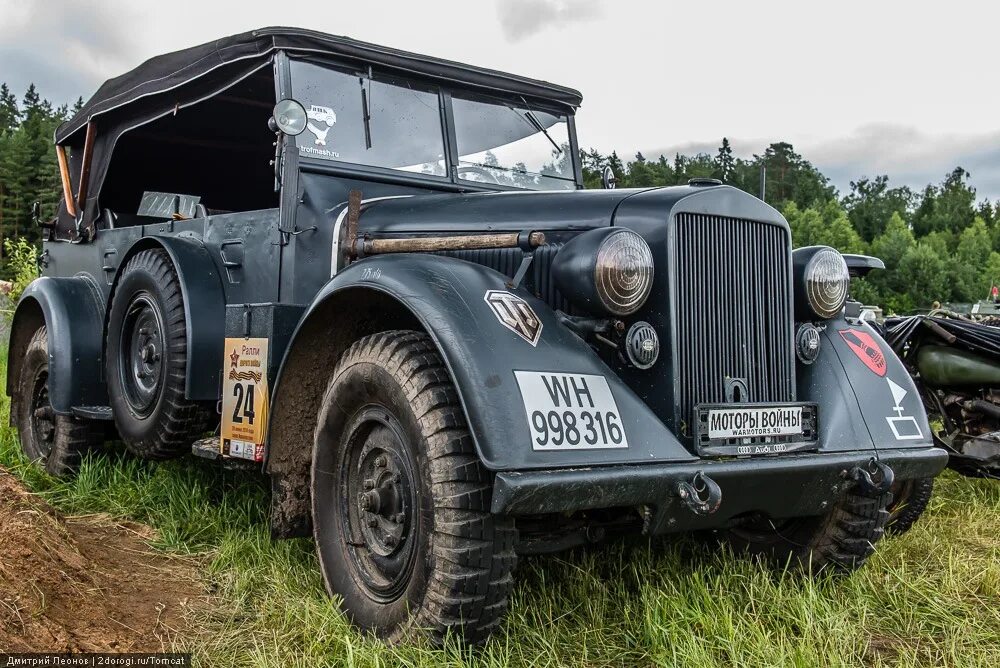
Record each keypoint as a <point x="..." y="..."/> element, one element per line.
<point x="376" y="275"/>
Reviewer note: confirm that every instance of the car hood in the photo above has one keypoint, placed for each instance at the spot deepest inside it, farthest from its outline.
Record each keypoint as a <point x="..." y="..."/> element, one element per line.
<point x="492" y="212"/>
<point x="548" y="210"/>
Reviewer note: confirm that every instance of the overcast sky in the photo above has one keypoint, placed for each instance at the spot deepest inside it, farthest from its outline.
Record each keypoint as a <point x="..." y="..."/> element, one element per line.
<point x="905" y="88"/>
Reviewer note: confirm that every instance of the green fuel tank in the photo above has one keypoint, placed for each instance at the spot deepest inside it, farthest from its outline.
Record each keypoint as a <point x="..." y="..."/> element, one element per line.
<point x="941" y="366"/>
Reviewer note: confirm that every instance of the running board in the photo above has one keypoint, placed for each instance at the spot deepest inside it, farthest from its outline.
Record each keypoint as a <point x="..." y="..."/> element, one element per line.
<point x="208" y="448"/>
<point x="93" y="412"/>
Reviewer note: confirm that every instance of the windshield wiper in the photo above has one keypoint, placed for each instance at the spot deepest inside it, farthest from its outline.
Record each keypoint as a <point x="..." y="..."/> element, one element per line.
<point x="365" y="112"/>
<point x="530" y="115"/>
<point x="469" y="163"/>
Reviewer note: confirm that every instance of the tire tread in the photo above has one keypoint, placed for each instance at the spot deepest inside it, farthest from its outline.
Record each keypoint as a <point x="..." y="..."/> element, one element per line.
<point x="913" y="506"/>
<point x="73" y="436"/>
<point x="181" y="421"/>
<point x="472" y="549"/>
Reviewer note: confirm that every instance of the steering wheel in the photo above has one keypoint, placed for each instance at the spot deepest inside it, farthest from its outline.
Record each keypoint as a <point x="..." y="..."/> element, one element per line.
<point x="476" y="169"/>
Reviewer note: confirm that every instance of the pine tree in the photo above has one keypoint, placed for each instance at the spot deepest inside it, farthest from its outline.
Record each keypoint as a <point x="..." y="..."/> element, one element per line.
<point x="10" y="115"/>
<point x="725" y="162"/>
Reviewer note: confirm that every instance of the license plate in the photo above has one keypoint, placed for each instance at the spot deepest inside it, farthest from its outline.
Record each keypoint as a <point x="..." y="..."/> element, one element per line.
<point x="762" y="429"/>
<point x="570" y="411"/>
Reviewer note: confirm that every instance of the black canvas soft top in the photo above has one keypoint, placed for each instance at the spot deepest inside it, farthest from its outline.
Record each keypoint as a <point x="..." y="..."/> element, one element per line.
<point x="172" y="70"/>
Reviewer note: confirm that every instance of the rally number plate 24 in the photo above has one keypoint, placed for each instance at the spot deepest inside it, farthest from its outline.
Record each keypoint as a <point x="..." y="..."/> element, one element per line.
<point x="570" y="411"/>
<point x="244" y="399"/>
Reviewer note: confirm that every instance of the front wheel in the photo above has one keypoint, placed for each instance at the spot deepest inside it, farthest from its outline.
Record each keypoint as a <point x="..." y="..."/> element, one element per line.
<point x="401" y="503"/>
<point x="841" y="540"/>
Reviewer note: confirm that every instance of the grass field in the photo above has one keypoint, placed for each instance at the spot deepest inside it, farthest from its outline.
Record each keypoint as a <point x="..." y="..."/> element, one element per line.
<point x="931" y="597"/>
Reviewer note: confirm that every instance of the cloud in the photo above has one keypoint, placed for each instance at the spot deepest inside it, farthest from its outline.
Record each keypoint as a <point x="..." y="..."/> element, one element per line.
<point x="910" y="157"/>
<point x="907" y="155"/>
<point x="520" y="19"/>
<point x="65" y="48"/>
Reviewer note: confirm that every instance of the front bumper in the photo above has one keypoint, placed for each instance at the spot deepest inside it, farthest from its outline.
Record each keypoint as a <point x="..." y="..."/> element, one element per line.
<point x="778" y="486"/>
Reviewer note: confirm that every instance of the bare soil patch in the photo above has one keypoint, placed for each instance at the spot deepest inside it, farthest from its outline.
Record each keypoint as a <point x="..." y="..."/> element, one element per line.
<point x="85" y="583"/>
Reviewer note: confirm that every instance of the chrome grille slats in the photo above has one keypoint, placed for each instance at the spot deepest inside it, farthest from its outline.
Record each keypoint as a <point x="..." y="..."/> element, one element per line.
<point x="733" y="312"/>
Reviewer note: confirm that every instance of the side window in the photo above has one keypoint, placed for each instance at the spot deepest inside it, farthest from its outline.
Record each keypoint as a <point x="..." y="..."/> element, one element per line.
<point x="404" y="126"/>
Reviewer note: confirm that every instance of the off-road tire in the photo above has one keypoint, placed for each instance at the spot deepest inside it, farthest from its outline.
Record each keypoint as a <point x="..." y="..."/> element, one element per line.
<point x="841" y="540"/>
<point x="68" y="437"/>
<point x="462" y="555"/>
<point x="154" y="422"/>
<point x="909" y="502"/>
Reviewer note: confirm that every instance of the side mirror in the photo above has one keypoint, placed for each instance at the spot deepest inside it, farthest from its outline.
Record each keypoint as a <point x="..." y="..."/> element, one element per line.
<point x="36" y="213"/>
<point x="608" y="180"/>
<point x="289" y="117"/>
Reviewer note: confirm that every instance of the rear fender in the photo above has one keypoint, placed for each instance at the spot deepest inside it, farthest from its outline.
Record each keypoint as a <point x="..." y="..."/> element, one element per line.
<point x="72" y="311"/>
<point x="204" y="310"/>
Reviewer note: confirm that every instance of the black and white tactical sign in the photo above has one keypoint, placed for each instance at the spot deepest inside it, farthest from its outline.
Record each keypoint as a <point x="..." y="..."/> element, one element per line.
<point x="569" y="411"/>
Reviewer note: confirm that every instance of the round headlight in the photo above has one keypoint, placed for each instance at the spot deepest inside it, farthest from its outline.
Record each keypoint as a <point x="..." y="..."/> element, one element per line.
<point x="623" y="272"/>
<point x="824" y="280"/>
<point x="605" y="271"/>
<point x="289" y="116"/>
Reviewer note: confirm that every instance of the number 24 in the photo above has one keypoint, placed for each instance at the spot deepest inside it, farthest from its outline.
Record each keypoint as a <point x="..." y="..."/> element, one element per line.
<point x="244" y="403"/>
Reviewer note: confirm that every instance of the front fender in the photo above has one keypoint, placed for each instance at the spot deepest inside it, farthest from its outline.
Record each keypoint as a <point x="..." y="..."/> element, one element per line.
<point x="446" y="295"/>
<point x="73" y="314"/>
<point x="866" y="398"/>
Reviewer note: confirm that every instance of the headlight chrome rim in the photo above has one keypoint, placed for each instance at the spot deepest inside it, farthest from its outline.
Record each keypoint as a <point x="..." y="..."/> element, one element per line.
<point x="623" y="272"/>
<point x="827" y="283"/>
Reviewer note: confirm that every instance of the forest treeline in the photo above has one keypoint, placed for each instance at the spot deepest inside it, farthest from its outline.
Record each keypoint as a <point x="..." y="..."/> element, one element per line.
<point x="939" y="243"/>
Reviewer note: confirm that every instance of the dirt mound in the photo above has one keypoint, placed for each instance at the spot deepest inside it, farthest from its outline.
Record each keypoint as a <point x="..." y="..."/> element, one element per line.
<point x="85" y="583"/>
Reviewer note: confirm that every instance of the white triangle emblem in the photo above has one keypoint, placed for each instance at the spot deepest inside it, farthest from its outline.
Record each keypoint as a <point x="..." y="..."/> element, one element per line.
<point x="897" y="392"/>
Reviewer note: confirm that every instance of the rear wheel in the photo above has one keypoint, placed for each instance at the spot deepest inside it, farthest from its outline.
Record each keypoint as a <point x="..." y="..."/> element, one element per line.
<point x="909" y="501"/>
<point x="147" y="360"/>
<point x="401" y="503"/>
<point x="54" y="442"/>
<point x="841" y="540"/>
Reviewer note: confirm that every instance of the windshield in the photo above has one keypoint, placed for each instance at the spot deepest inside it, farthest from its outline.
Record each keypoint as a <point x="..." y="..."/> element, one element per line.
<point x="383" y="121"/>
<point x="511" y="145"/>
<point x="403" y="131"/>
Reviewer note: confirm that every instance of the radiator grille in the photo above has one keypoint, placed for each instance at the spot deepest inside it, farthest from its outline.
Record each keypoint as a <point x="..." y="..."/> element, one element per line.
<point x="734" y="317"/>
<point x="507" y="260"/>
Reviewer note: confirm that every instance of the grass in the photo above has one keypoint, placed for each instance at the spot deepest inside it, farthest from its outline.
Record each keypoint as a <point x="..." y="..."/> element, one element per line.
<point x="931" y="597"/>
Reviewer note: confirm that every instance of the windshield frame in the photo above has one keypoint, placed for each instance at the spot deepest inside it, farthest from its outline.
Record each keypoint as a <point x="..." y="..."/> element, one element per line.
<point x="450" y="181"/>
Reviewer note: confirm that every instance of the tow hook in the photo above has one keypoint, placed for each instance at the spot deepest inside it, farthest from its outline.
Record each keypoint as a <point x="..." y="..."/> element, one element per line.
<point x="702" y="495"/>
<point x="874" y="478"/>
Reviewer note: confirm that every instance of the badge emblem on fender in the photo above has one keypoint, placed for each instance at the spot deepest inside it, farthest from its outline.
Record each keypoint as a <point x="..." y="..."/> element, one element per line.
<point x="867" y="350"/>
<point x="515" y="314"/>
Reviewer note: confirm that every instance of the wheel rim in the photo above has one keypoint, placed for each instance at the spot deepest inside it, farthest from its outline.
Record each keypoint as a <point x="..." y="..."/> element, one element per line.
<point x="141" y="362"/>
<point x="378" y="512"/>
<point x="43" y="419"/>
